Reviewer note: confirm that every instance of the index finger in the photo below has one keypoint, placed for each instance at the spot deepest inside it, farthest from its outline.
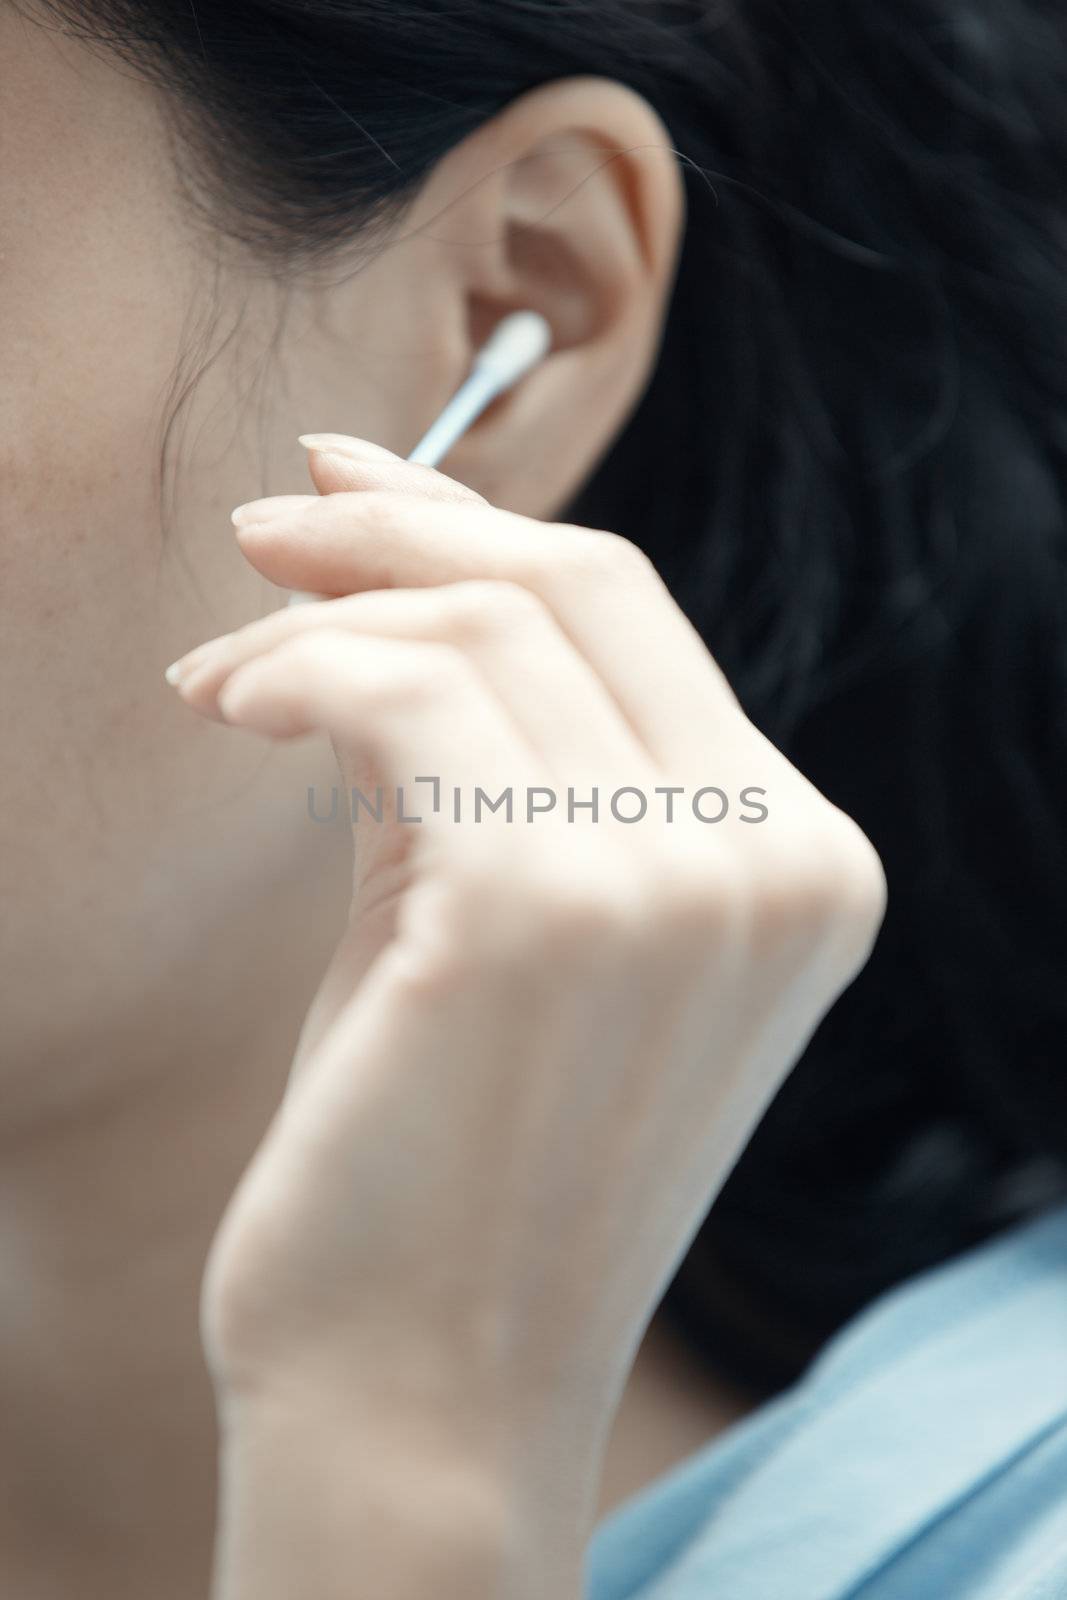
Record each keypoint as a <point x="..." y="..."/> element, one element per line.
<point x="604" y="592"/>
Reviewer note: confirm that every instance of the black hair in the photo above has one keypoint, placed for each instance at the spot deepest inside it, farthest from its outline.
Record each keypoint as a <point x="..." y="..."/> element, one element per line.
<point x="850" y="465"/>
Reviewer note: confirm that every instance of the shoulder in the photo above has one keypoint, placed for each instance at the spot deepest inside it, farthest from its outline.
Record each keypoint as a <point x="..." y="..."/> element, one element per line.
<point x="925" y="1451"/>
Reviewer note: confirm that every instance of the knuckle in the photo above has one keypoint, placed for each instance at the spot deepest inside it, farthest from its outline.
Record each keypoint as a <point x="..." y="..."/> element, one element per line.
<point x="607" y="556"/>
<point x="829" y="883"/>
<point x="700" y="893"/>
<point x="861" y="876"/>
<point x="590" y="907"/>
<point x="441" y="949"/>
<point x="552" y="909"/>
<point x="488" y="607"/>
<point x="390" y="514"/>
<point x="314" y="647"/>
<point x="420" y="672"/>
<point x="437" y="965"/>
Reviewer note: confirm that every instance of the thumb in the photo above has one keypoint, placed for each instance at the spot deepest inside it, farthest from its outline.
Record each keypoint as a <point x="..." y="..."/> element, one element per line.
<point x="338" y="463"/>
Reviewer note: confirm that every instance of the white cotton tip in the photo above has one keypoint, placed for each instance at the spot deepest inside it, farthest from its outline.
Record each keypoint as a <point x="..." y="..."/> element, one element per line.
<point x="517" y="343"/>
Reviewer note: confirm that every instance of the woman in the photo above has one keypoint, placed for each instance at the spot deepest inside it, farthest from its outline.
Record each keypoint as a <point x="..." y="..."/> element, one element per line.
<point x="434" y="1213"/>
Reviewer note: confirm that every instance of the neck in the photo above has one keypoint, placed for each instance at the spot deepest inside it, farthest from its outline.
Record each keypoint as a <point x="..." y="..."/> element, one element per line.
<point x="108" y="1204"/>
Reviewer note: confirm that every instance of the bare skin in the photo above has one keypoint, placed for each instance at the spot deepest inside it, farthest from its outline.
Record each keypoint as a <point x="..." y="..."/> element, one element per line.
<point x="673" y="1405"/>
<point x="169" y="908"/>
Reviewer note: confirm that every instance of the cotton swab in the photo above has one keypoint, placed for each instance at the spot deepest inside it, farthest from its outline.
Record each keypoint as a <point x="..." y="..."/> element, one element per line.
<point x="516" y="345"/>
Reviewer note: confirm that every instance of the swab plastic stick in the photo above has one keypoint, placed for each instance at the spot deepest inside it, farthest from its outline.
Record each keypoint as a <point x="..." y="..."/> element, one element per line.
<point x="518" y="342"/>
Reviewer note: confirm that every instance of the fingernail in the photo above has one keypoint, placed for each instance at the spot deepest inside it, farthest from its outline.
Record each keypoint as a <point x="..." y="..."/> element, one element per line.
<point x="179" y="672"/>
<point x="272" y="509"/>
<point x="340" y="444"/>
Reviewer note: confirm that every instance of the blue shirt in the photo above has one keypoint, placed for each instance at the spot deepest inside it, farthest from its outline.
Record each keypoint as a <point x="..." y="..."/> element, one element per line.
<point x="923" y="1456"/>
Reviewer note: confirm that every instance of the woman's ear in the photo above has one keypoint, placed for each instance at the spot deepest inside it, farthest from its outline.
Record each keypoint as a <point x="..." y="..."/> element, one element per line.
<point x="569" y="202"/>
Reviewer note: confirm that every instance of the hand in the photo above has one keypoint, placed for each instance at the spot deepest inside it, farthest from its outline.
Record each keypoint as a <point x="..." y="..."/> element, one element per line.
<point x="507" y="1127"/>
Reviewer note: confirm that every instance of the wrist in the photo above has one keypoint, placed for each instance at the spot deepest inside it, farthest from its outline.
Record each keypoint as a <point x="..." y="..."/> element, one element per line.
<point x="324" y="1498"/>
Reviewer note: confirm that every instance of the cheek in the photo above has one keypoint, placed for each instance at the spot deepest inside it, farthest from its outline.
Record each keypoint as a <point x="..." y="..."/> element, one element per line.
<point x="94" y="597"/>
<point x="98" y="284"/>
<point x="95" y="280"/>
<point x="79" y="544"/>
<point x="81" y="411"/>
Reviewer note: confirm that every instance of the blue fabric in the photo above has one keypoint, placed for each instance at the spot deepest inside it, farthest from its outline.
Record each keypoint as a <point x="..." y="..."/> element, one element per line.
<point x="923" y="1456"/>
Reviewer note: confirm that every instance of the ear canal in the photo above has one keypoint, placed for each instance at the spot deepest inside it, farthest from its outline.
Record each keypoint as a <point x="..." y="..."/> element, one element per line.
<point x="516" y="345"/>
